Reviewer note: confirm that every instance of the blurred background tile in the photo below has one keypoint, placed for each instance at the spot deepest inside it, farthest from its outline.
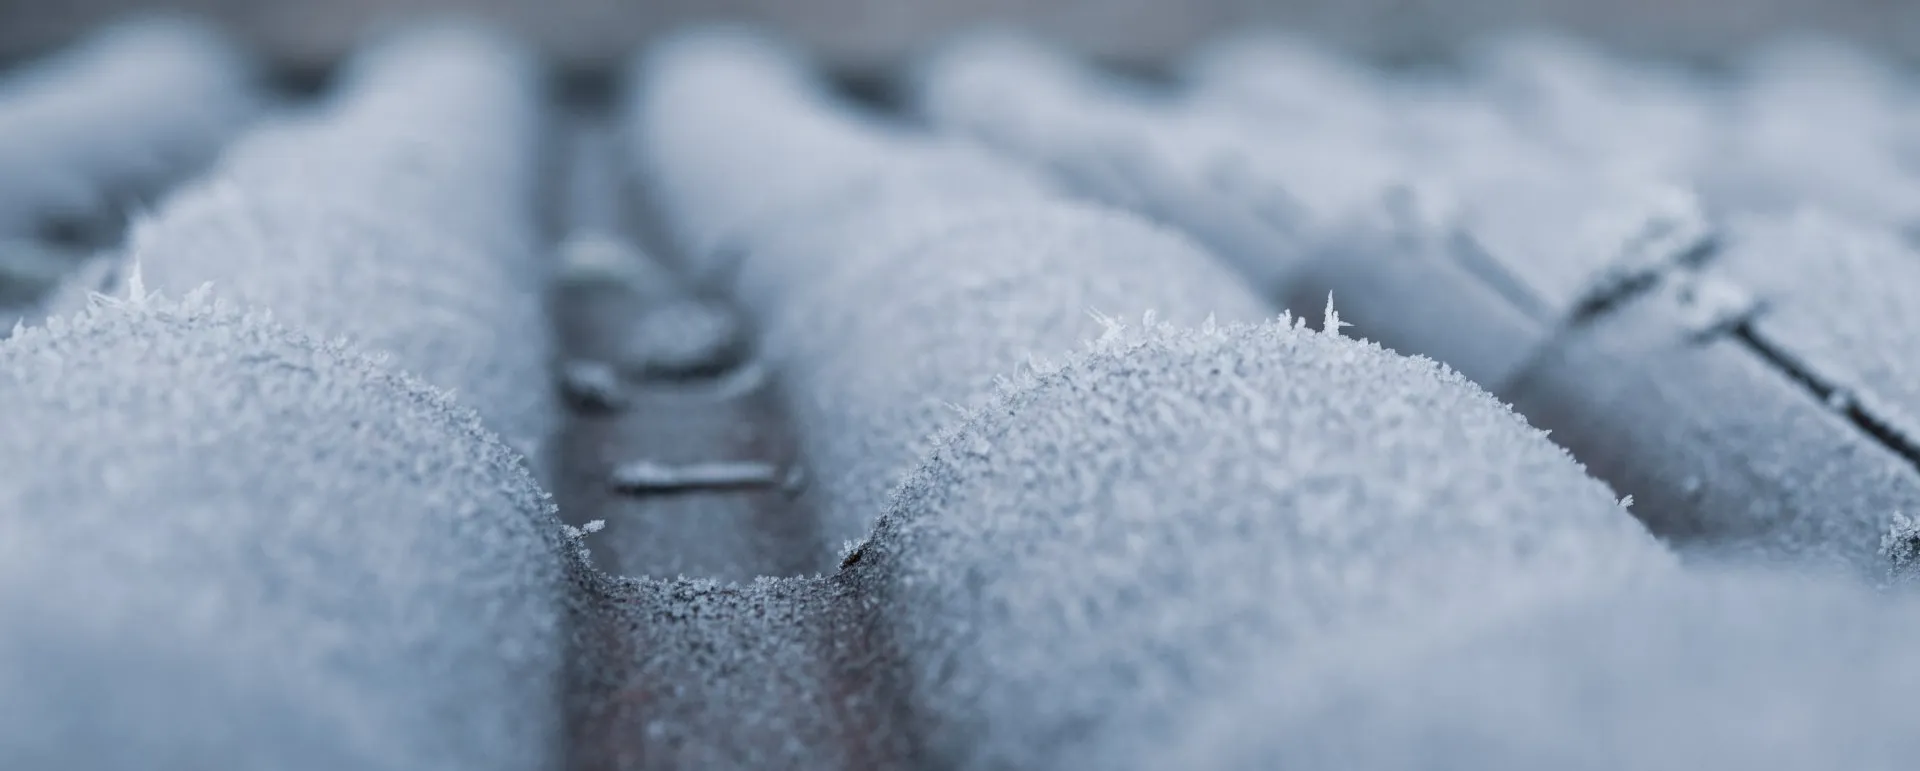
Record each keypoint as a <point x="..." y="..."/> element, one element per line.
<point x="861" y="34"/>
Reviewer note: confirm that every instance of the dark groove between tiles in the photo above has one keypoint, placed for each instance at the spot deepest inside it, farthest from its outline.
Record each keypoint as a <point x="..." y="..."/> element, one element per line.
<point x="1613" y="297"/>
<point x="797" y="649"/>
<point x="1834" y="397"/>
<point x="878" y="91"/>
<point x="1474" y="259"/>
<point x="734" y="416"/>
<point x="300" y="83"/>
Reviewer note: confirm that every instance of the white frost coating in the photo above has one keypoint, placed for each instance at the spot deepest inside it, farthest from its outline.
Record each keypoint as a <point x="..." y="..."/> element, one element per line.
<point x="892" y="275"/>
<point x="1815" y="123"/>
<point x="443" y="121"/>
<point x="1563" y="229"/>
<point x="136" y="106"/>
<point x="1511" y="157"/>
<point x="1278" y="148"/>
<point x="1035" y="103"/>
<point x="717" y="89"/>
<point x="1804" y="121"/>
<point x="224" y="544"/>
<point x="398" y="217"/>
<point x="1635" y="117"/>
<point x="1100" y="550"/>
<point x="1287" y="79"/>
<point x="1710" y="671"/>
<point x="1839" y="300"/>
<point x="1123" y="147"/>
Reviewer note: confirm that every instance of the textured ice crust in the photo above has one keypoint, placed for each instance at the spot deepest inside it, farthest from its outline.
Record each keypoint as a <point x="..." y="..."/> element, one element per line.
<point x="931" y="327"/>
<point x="893" y="276"/>
<point x="1541" y="642"/>
<point x="1099" y="550"/>
<point x="234" y="545"/>
<point x="135" y="106"/>
<point x="1206" y="545"/>
<point x="227" y="544"/>
<point x="1190" y="543"/>
<point x="398" y="217"/>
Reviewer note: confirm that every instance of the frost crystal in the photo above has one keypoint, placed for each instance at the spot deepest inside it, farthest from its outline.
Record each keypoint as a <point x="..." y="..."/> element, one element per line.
<point x="1331" y="323"/>
<point x="850" y="551"/>
<point x="1901" y="547"/>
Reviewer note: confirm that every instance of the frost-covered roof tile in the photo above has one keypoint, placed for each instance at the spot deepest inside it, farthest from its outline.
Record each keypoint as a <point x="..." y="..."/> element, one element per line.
<point x="940" y="271"/>
<point x="1101" y="549"/>
<point x="331" y="227"/>
<point x="1095" y="507"/>
<point x="133" y="107"/>
<point x="226" y="542"/>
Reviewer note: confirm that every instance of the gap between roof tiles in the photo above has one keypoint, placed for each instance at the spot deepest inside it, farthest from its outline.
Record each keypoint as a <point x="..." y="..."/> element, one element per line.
<point x="722" y="556"/>
<point x="1732" y="318"/>
<point x="687" y="462"/>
